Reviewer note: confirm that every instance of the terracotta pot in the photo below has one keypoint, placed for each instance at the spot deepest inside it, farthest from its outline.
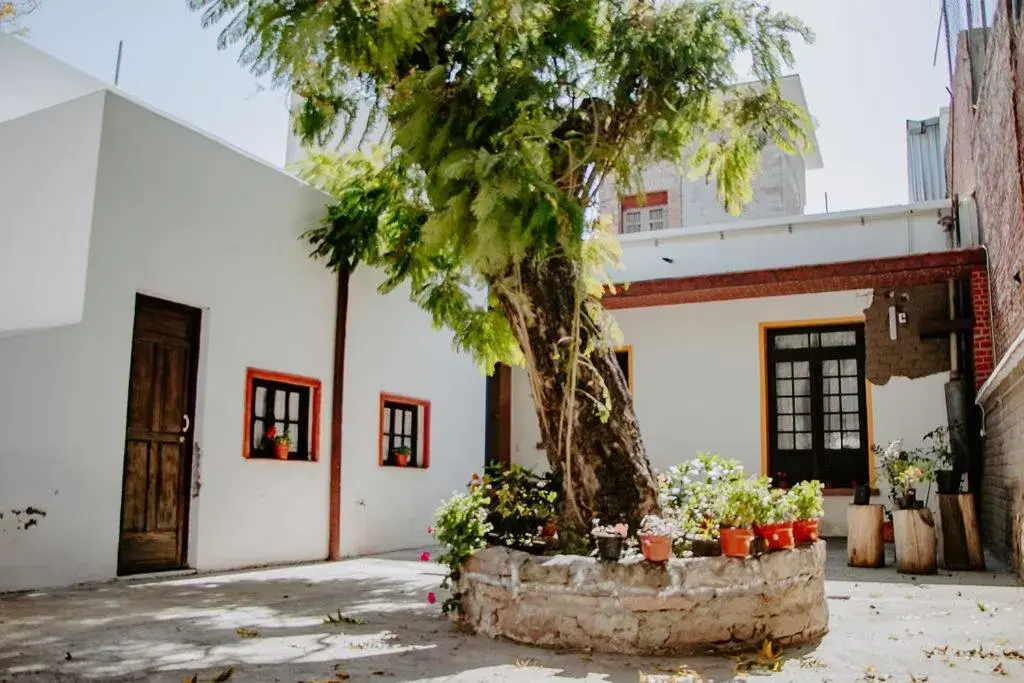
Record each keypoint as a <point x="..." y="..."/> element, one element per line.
<point x="888" y="533"/>
<point x="550" y="529"/>
<point x="280" y="450"/>
<point x="779" y="535"/>
<point x="402" y="459"/>
<point x="656" y="548"/>
<point x="805" y="531"/>
<point x="609" y="548"/>
<point x="735" y="542"/>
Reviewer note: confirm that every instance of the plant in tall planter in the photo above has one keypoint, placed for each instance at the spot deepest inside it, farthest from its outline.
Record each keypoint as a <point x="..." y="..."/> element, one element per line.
<point x="774" y="522"/>
<point x="808" y="505"/>
<point x="903" y="470"/>
<point x="502" y="123"/>
<point x="737" y="508"/>
<point x="278" y="445"/>
<point x="937" y="446"/>
<point x="609" y="539"/>
<point x="656" y="534"/>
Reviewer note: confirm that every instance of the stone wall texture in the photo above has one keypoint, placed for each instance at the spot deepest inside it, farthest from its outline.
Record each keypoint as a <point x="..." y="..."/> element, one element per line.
<point x="908" y="355"/>
<point x="983" y="159"/>
<point x="632" y="606"/>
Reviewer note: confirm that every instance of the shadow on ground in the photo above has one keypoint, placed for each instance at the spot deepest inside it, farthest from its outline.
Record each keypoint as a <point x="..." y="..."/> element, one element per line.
<point x="269" y="625"/>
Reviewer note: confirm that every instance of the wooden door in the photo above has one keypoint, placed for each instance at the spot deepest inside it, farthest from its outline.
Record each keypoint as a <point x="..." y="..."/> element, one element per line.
<point x="498" y="428"/>
<point x="158" y="444"/>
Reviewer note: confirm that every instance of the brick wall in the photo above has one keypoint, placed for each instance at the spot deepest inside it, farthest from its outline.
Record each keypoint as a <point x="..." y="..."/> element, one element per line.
<point x="984" y="360"/>
<point x="908" y="355"/>
<point x="1002" y="482"/>
<point x="984" y="162"/>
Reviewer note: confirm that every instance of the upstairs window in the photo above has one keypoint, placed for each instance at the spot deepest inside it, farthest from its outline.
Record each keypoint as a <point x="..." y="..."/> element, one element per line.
<point x="404" y="432"/>
<point x="651" y="215"/>
<point x="282" y="405"/>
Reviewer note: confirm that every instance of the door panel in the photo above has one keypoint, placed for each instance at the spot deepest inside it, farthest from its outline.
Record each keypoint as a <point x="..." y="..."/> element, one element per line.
<point x="157" y="459"/>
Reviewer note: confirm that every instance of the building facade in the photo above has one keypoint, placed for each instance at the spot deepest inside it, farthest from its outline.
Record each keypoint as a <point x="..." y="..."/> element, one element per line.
<point x="984" y="174"/>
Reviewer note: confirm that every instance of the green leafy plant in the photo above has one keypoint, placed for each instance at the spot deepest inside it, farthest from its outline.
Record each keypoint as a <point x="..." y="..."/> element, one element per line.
<point x="652" y="525"/>
<point x="743" y="501"/>
<point x="902" y="469"/>
<point x="460" y="526"/>
<point x="937" y="448"/>
<point x="807" y="500"/>
<point x="271" y="437"/>
<point x="520" y="503"/>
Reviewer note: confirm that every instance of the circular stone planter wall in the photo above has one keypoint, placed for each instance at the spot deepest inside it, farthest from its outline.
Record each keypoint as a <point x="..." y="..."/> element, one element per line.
<point x="632" y="606"/>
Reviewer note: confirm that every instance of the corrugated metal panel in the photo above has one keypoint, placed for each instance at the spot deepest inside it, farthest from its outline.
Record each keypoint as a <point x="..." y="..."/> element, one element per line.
<point x="926" y="159"/>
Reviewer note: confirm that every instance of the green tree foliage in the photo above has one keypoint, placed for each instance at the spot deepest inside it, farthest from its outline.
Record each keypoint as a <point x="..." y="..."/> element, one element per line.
<point x="502" y="118"/>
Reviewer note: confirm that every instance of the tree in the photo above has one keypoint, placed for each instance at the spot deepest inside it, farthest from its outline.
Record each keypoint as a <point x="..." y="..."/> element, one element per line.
<point x="502" y="118"/>
<point x="12" y="12"/>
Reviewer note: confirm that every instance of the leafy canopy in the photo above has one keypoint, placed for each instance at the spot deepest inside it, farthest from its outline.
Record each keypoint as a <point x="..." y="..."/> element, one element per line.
<point x="502" y="117"/>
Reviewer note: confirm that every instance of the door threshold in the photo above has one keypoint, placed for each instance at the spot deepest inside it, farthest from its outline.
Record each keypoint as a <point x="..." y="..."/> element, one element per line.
<point x="150" y="576"/>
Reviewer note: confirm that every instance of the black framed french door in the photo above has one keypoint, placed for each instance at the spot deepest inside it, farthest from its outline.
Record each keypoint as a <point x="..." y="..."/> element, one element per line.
<point x="817" y="405"/>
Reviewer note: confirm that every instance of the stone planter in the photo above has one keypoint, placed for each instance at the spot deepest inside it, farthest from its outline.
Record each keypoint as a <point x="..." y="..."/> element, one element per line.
<point x="683" y="606"/>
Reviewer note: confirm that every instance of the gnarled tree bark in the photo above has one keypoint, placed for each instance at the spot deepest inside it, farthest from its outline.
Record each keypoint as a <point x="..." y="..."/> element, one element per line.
<point x="602" y="463"/>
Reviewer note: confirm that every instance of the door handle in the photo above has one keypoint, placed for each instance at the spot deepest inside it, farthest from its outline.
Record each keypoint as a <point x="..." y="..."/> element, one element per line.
<point x="186" y="425"/>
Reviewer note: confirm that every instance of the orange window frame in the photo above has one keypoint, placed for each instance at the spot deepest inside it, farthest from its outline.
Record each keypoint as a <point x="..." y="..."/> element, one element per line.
<point x="287" y="378"/>
<point x="424" y="406"/>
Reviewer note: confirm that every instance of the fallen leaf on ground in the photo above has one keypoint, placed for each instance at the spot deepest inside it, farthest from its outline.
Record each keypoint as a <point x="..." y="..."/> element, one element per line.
<point x="524" y="663"/>
<point x="224" y="675"/>
<point x="342" y="619"/>
<point x="981" y="606"/>
<point x="999" y="670"/>
<point x="247" y="632"/>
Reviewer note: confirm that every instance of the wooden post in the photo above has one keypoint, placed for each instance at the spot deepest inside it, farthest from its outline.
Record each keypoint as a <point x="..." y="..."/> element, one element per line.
<point x="961" y="540"/>
<point x="915" y="541"/>
<point x="864" y="544"/>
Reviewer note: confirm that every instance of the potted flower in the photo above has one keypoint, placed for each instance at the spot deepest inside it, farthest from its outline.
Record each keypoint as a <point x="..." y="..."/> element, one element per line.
<point x="402" y="455"/>
<point x="906" y="496"/>
<point x="738" y="508"/>
<point x="278" y="445"/>
<point x="774" y="521"/>
<point x="656" y="538"/>
<point x="609" y="539"/>
<point x="808" y="506"/>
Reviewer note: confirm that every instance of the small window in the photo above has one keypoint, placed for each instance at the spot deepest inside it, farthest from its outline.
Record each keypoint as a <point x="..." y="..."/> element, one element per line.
<point x="279" y="404"/>
<point x="404" y="432"/>
<point x="646" y="217"/>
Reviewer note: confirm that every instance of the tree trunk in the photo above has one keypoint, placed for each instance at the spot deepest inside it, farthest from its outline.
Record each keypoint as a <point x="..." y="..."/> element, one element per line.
<point x="601" y="459"/>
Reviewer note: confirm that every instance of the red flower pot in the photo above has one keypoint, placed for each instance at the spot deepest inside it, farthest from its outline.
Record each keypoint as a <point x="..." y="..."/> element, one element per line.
<point x="656" y="548"/>
<point x="280" y="450"/>
<point x="735" y="542"/>
<point x="805" y="531"/>
<point x="779" y="535"/>
<point x="402" y="459"/>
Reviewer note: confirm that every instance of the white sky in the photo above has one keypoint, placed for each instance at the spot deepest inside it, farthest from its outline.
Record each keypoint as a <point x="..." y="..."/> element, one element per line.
<point x="869" y="70"/>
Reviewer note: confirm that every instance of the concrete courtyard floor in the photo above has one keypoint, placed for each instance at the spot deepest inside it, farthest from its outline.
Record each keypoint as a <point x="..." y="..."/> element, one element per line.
<point x="268" y="625"/>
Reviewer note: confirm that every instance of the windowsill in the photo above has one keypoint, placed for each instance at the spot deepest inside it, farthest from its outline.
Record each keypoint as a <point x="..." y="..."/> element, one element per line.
<point x="399" y="467"/>
<point x="836" y="493"/>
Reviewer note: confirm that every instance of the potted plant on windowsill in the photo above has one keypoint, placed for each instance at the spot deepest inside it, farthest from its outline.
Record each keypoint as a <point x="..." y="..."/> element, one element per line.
<point x="808" y="504"/>
<point x="738" y="508"/>
<point x="609" y="539"/>
<point x="278" y="445"/>
<point x="402" y="454"/>
<point x="774" y="521"/>
<point x="656" y="538"/>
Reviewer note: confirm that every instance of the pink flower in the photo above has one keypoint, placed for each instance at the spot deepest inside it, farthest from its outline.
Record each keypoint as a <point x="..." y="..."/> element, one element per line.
<point x="271" y="432"/>
<point x="431" y="598"/>
<point x="430" y="530"/>
<point x="424" y="557"/>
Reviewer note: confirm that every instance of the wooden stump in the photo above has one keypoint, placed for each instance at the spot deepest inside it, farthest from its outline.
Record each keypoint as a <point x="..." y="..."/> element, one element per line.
<point x="961" y="540"/>
<point x="915" y="541"/>
<point x="864" y="545"/>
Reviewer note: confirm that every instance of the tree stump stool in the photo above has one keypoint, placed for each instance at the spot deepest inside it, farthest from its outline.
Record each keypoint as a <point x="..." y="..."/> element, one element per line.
<point x="864" y="545"/>
<point x="915" y="541"/>
<point x="961" y="540"/>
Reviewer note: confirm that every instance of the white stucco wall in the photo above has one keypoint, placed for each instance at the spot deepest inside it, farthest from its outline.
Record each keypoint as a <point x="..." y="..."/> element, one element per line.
<point x="697" y="384"/>
<point x="391" y="347"/>
<point x="48" y="162"/>
<point x="799" y="240"/>
<point x="31" y="80"/>
<point x="181" y="217"/>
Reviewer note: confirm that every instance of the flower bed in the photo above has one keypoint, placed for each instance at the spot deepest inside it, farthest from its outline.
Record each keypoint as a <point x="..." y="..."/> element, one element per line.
<point x="682" y="606"/>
